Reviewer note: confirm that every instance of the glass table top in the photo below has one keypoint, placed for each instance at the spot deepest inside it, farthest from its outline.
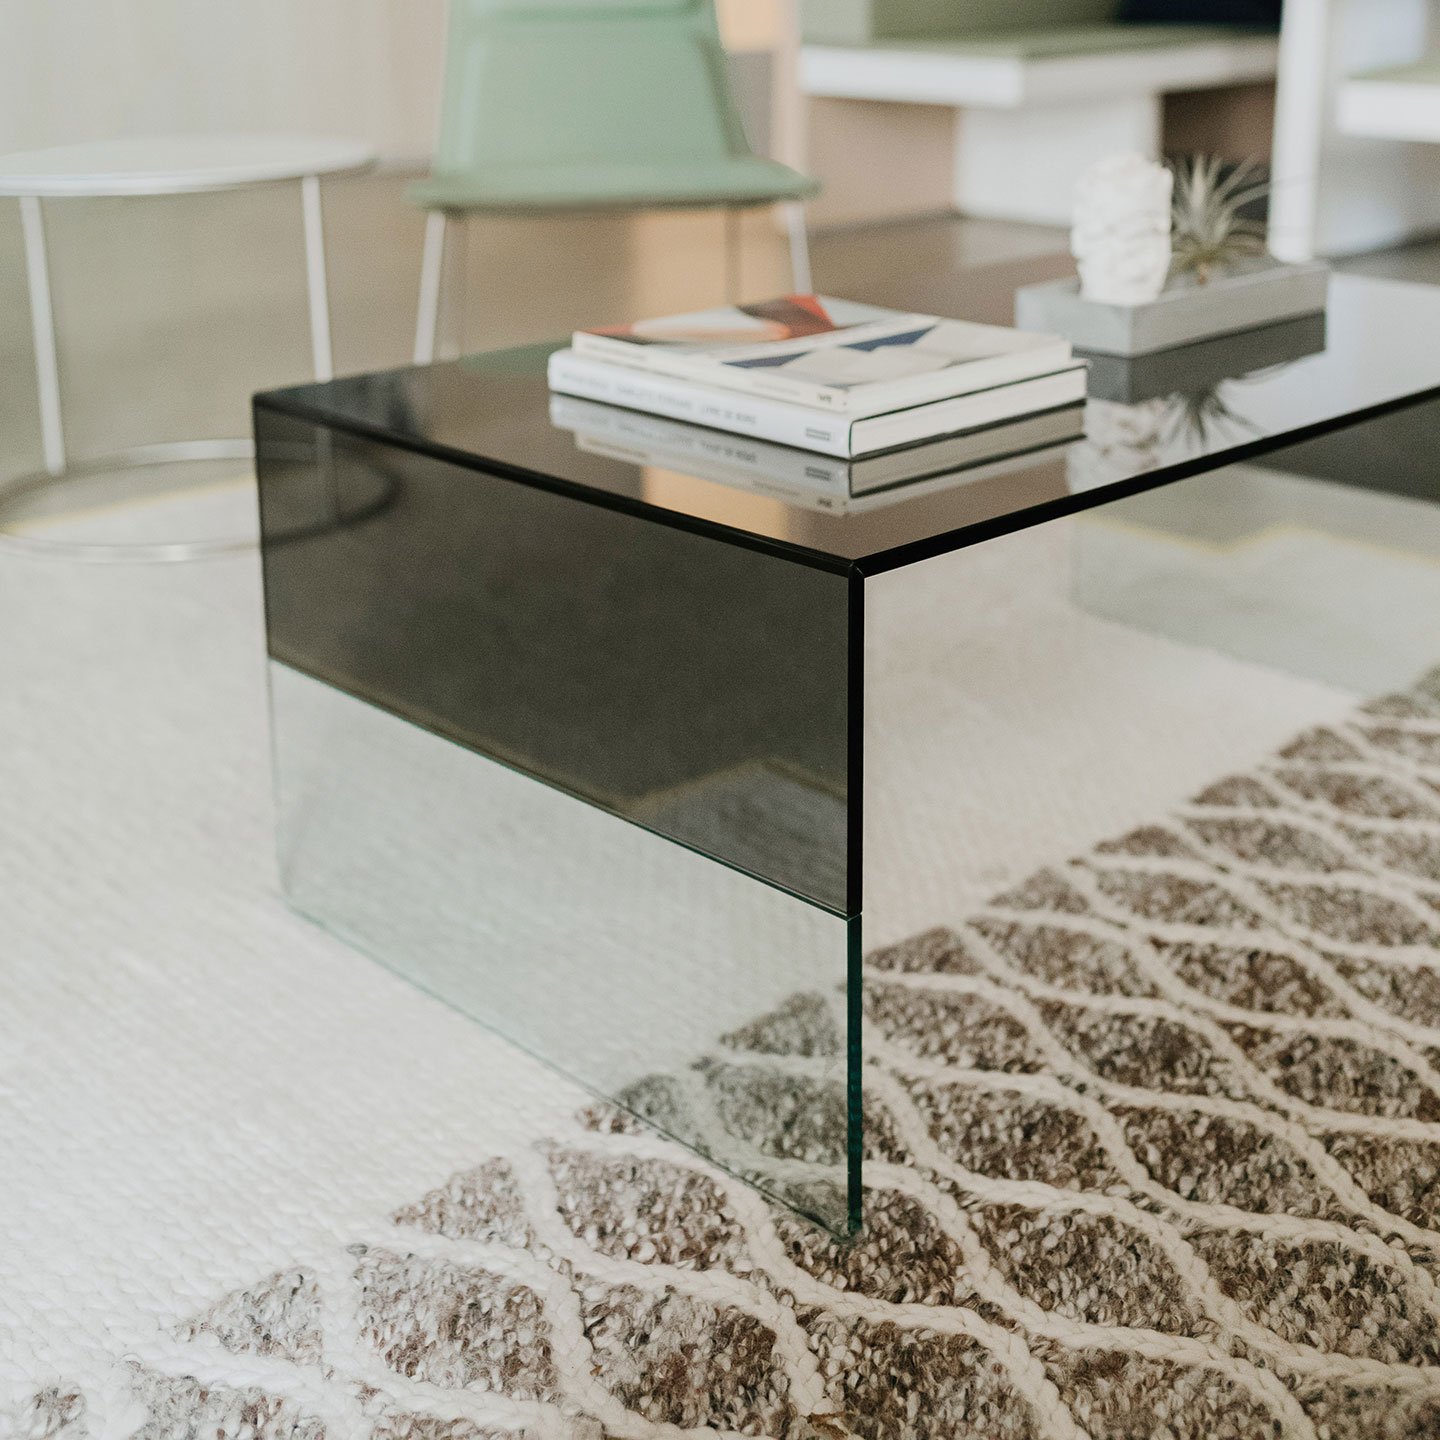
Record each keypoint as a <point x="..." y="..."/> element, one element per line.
<point x="1148" y="421"/>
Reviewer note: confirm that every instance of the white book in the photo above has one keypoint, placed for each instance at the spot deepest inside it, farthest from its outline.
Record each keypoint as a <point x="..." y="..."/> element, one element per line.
<point x="831" y="355"/>
<point x="821" y="481"/>
<point x="809" y="429"/>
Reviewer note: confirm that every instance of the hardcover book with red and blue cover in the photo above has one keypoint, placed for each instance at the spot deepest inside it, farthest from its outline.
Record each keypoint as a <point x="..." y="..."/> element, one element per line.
<point x="839" y="355"/>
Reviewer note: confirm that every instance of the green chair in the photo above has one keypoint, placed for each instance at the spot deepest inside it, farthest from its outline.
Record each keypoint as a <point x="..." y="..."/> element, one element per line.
<point x="572" y="105"/>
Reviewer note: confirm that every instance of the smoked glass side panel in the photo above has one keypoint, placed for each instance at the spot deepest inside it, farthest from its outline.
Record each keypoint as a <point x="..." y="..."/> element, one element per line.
<point x="694" y="686"/>
<point x="686" y="991"/>
<point x="582" y="777"/>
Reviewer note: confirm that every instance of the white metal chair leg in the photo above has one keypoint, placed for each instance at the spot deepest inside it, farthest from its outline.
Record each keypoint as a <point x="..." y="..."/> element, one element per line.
<point x="732" y="256"/>
<point x="42" y="324"/>
<point x="450" y="339"/>
<point x="432" y="269"/>
<point x="315" y="276"/>
<point x="794" y="211"/>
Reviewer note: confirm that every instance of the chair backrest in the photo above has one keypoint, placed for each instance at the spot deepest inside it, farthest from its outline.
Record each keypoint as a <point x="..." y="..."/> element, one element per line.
<point x="545" y="82"/>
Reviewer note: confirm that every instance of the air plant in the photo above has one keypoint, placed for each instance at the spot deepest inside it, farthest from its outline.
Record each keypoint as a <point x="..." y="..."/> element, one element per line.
<point x="1208" y="232"/>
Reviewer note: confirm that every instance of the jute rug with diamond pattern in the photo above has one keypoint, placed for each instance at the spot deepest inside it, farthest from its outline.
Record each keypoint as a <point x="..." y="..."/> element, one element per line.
<point x="1153" y="1150"/>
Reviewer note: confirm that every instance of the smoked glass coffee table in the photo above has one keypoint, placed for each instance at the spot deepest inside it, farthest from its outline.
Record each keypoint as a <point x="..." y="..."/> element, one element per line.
<point x="636" y="744"/>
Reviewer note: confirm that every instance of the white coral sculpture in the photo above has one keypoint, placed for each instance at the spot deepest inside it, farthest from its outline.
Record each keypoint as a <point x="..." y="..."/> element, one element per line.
<point x="1121" y="235"/>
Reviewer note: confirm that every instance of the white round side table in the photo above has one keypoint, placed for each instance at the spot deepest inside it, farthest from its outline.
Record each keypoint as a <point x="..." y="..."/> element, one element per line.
<point x="173" y="165"/>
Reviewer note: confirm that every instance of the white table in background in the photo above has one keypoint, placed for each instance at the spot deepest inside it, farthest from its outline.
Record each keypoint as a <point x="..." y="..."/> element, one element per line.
<point x="169" y="165"/>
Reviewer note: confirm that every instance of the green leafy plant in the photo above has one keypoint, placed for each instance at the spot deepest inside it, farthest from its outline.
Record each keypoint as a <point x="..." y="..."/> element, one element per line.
<point x="1208" y="232"/>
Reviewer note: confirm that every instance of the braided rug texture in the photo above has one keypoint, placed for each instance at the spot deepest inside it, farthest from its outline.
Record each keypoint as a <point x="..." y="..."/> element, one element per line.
<point x="1153" y="1149"/>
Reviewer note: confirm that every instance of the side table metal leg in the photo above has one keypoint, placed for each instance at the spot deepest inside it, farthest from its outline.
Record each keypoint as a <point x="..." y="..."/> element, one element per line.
<point x="320" y="339"/>
<point x="794" y="212"/>
<point x="732" y="255"/>
<point x="42" y="322"/>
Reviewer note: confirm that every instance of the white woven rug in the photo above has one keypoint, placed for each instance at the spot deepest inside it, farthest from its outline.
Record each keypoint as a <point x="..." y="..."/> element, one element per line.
<point x="1155" y="1134"/>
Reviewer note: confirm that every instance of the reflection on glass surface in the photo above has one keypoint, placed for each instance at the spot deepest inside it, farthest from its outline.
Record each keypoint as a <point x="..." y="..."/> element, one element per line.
<point x="1146" y="408"/>
<point x="1032" y="696"/>
<point x="640" y="968"/>
<point x="1331" y="582"/>
<point x="694" y="454"/>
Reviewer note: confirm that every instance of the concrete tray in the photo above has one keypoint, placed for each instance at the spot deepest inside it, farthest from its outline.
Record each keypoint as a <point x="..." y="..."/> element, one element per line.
<point x="1259" y="293"/>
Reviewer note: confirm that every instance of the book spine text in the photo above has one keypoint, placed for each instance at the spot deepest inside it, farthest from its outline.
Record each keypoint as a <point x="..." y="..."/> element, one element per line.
<point x="765" y="419"/>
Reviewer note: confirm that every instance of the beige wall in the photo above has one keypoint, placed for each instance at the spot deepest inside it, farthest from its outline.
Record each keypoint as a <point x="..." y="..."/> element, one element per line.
<point x="879" y="160"/>
<point x="74" y="70"/>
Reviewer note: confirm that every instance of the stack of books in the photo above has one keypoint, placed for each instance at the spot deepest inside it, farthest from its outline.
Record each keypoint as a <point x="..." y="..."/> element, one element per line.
<point x="828" y="376"/>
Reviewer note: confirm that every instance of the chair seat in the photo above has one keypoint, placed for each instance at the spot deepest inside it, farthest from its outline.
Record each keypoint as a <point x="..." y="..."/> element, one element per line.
<point x="730" y="181"/>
